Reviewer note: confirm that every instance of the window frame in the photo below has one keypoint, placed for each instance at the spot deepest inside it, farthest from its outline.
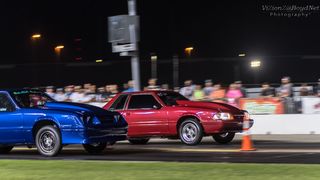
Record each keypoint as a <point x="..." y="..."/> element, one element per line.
<point x="124" y="105"/>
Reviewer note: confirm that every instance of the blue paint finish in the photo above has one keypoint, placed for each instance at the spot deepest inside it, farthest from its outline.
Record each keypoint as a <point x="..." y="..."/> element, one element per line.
<point x="78" y="123"/>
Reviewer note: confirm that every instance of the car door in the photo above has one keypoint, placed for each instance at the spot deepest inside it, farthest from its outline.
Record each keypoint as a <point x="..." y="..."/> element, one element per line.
<point x="145" y="116"/>
<point x="11" y="123"/>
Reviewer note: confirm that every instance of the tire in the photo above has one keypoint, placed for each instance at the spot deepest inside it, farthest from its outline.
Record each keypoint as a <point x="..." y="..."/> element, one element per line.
<point x="139" y="141"/>
<point x="224" y="138"/>
<point x="95" y="148"/>
<point x="190" y="132"/>
<point x="5" y="149"/>
<point x="48" y="141"/>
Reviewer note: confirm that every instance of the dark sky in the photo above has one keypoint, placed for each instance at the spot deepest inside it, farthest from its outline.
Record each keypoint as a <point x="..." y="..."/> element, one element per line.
<point x="213" y="28"/>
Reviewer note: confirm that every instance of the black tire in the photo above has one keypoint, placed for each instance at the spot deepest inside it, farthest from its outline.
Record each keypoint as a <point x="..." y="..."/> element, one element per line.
<point x="190" y="132"/>
<point x="224" y="138"/>
<point x="139" y="141"/>
<point x="95" y="148"/>
<point x="48" y="141"/>
<point x="5" y="149"/>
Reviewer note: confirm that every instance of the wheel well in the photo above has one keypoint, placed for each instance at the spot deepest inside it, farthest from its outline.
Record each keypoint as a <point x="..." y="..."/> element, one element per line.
<point x="41" y="124"/>
<point x="183" y="119"/>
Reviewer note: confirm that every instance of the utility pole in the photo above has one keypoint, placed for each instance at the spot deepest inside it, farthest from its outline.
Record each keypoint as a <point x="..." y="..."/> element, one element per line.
<point x="175" y="62"/>
<point x="135" y="65"/>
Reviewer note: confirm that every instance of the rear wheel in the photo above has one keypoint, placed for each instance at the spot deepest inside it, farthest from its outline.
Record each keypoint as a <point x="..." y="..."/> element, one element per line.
<point x="224" y="138"/>
<point x="48" y="141"/>
<point x="139" y="140"/>
<point x="191" y="132"/>
<point x="95" y="148"/>
<point x="5" y="149"/>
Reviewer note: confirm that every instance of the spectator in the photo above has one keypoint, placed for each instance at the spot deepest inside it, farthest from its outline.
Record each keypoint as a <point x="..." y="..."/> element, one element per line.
<point x="285" y="89"/>
<point x="286" y="93"/>
<point x="152" y="85"/>
<point x="69" y="90"/>
<point x="77" y="95"/>
<point x="316" y="89"/>
<point x="101" y="95"/>
<point x="304" y="90"/>
<point x="198" y="94"/>
<point x="233" y="95"/>
<point x="207" y="90"/>
<point x="241" y="88"/>
<point x="267" y="91"/>
<point x="50" y="91"/>
<point x="130" y="86"/>
<point x="187" y="90"/>
<point x="165" y="87"/>
<point x="60" y="95"/>
<point x="217" y="94"/>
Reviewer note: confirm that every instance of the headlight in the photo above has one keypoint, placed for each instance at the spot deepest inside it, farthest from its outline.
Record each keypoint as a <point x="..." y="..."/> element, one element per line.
<point x="223" y="116"/>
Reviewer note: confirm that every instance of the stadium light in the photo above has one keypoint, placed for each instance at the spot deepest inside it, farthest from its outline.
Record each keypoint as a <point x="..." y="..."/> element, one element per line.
<point x="255" y="63"/>
<point x="36" y="36"/>
<point x="59" y="47"/>
<point x="188" y="50"/>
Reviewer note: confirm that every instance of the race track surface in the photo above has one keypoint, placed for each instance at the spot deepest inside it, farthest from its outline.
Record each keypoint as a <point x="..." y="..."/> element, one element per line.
<point x="304" y="149"/>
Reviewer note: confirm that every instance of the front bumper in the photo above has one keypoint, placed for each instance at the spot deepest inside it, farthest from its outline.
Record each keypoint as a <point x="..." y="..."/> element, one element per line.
<point x="220" y="126"/>
<point x="91" y="135"/>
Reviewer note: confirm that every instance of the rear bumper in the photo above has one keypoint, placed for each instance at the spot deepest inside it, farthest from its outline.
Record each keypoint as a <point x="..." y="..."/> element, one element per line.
<point x="88" y="136"/>
<point x="224" y="126"/>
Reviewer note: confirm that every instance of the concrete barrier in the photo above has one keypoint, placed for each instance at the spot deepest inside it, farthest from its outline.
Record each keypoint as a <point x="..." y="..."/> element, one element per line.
<point x="286" y="124"/>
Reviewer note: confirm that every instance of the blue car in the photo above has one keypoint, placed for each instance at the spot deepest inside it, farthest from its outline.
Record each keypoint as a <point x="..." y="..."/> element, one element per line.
<point x="30" y="117"/>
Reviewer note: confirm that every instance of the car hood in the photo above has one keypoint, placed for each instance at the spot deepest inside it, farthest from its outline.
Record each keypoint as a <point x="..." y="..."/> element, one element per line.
<point x="77" y="107"/>
<point x="210" y="105"/>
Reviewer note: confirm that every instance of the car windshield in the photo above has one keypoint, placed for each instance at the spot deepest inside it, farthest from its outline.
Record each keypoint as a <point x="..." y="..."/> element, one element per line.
<point x="30" y="99"/>
<point x="170" y="98"/>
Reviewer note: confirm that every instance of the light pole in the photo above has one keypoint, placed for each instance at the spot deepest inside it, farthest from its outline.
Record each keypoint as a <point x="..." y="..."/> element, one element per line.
<point x="58" y="50"/>
<point x="175" y="63"/>
<point x="154" y="59"/>
<point x="188" y="51"/>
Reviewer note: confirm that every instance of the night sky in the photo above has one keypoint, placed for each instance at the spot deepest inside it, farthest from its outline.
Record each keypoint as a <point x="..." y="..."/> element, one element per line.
<point x="216" y="29"/>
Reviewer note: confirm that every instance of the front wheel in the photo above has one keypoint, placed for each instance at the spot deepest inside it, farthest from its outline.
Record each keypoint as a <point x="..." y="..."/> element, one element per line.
<point x="191" y="132"/>
<point x="224" y="138"/>
<point x="5" y="149"/>
<point x="139" y="141"/>
<point x="95" y="148"/>
<point x="48" y="141"/>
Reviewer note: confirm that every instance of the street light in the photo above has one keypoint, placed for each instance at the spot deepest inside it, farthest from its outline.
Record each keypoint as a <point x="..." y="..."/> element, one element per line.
<point x="57" y="50"/>
<point x="99" y="60"/>
<point x="36" y="36"/>
<point x="188" y="51"/>
<point x="242" y="55"/>
<point x="255" y="63"/>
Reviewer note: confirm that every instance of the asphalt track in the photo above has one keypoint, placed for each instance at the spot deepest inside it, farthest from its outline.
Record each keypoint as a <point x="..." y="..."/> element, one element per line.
<point x="298" y="149"/>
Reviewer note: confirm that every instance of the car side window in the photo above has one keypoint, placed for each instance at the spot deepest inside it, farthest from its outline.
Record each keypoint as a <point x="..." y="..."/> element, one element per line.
<point x="5" y="103"/>
<point x="119" y="102"/>
<point x="143" y="102"/>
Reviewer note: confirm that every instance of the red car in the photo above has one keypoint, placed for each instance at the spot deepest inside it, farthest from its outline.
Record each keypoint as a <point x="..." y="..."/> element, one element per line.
<point x="169" y="114"/>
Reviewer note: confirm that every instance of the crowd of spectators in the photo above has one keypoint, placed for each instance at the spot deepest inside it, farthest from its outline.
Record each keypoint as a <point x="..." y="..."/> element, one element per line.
<point x="208" y="91"/>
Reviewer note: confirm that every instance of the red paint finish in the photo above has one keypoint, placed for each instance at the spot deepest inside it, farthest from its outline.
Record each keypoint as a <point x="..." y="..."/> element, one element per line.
<point x="164" y="120"/>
